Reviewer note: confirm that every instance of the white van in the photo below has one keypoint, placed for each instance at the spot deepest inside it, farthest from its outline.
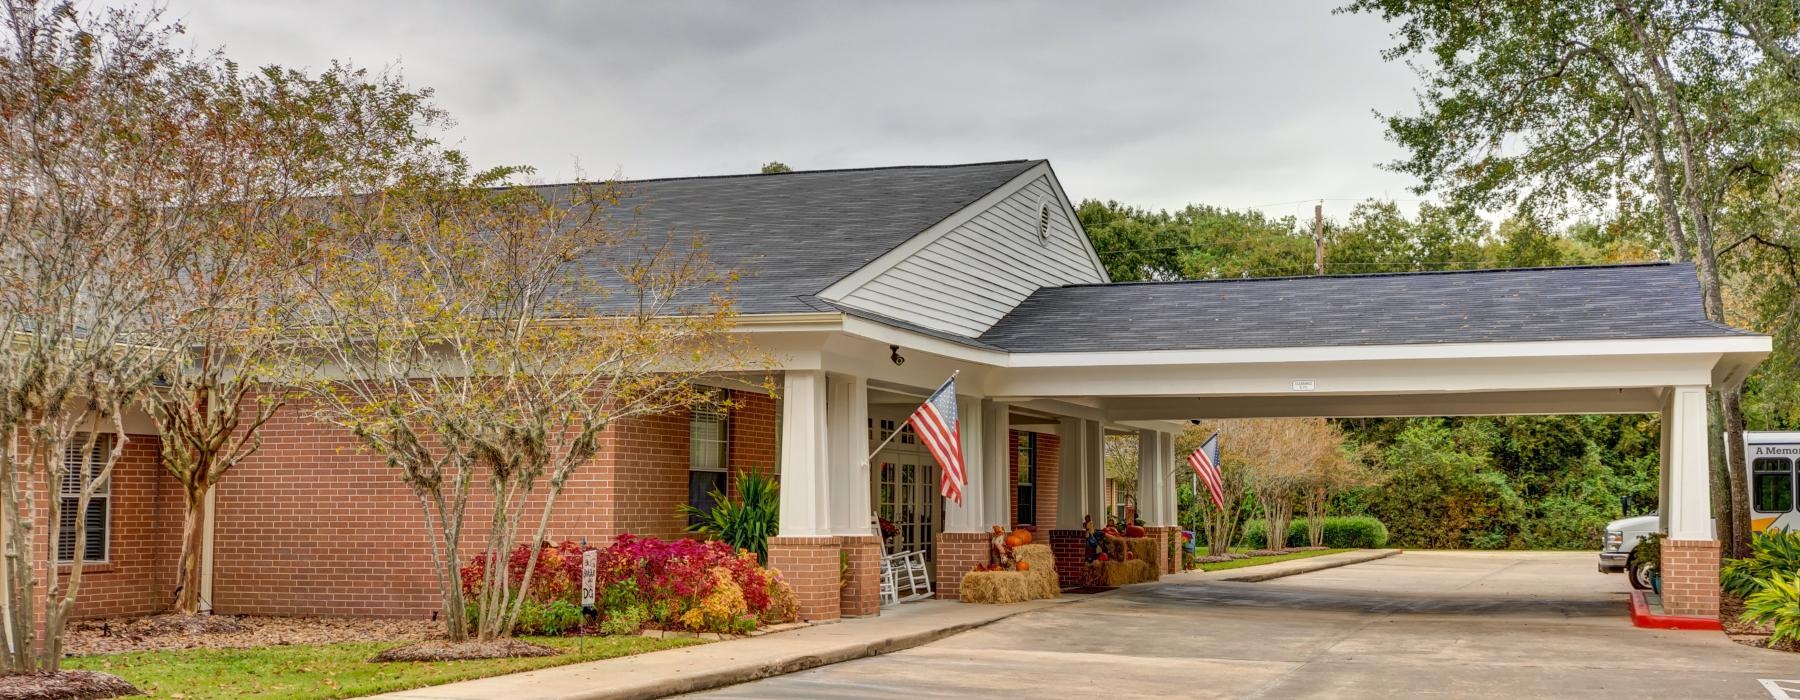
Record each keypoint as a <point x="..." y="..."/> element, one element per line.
<point x="1772" y="463"/>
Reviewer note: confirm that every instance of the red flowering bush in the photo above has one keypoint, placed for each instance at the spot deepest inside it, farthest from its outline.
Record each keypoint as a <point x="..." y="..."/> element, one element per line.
<point x="673" y="578"/>
<point x="674" y="584"/>
<point x="558" y="574"/>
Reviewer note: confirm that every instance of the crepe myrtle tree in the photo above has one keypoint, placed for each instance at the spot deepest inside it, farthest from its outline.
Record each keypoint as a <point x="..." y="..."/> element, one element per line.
<point x="89" y="127"/>
<point x="267" y="148"/>
<point x="484" y="336"/>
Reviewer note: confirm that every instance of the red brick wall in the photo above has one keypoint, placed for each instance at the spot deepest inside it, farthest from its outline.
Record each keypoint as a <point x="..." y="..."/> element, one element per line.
<point x="813" y="567"/>
<point x="1049" y="457"/>
<point x="144" y="542"/>
<point x="313" y="524"/>
<point x="1690" y="574"/>
<point x="957" y="554"/>
<point x="861" y="594"/>
<point x="1070" y="548"/>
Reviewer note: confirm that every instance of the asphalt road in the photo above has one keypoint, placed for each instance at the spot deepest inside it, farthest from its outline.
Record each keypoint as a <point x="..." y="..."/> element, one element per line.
<point x="1439" y="624"/>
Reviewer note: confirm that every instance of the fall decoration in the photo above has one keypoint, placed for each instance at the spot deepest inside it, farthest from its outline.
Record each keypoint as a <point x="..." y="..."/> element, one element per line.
<point x="1024" y="566"/>
<point x="1023" y="534"/>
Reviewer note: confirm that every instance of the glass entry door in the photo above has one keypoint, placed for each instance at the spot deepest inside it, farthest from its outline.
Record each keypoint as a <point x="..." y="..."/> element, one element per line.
<point x="905" y="485"/>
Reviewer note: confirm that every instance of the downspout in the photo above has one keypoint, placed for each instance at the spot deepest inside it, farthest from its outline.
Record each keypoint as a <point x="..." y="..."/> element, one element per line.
<point x="206" y="550"/>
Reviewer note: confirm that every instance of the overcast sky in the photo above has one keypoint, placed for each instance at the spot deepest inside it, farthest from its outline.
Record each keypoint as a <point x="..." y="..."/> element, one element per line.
<point x="1153" y="103"/>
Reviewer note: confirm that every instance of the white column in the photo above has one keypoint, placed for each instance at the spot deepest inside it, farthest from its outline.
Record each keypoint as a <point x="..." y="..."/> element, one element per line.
<point x="971" y="515"/>
<point x="805" y="478"/>
<point x="1171" y="505"/>
<point x="1093" y="446"/>
<point x="1662" y="473"/>
<point x="1149" y="467"/>
<point x="1688" y="504"/>
<point x="847" y="436"/>
<point x="1071" y="479"/>
<point x="996" y="456"/>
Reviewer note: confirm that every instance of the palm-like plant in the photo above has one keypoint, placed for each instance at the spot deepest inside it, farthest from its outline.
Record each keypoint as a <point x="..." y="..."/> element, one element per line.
<point x="745" y="523"/>
<point x="1777" y="604"/>
<point x="1772" y="556"/>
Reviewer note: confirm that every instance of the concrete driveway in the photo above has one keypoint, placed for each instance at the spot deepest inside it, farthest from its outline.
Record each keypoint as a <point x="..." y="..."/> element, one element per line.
<point x="1456" y="624"/>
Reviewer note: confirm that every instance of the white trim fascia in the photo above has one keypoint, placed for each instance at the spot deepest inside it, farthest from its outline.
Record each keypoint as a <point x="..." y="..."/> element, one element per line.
<point x="807" y="321"/>
<point x="1437" y="351"/>
<point x="913" y="340"/>
<point x="1087" y="244"/>
<point x="842" y="288"/>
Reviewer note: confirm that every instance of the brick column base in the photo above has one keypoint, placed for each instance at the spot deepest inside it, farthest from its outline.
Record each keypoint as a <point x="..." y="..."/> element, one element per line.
<point x="957" y="553"/>
<point x="861" y="594"/>
<point x="1690" y="577"/>
<point x="1070" y="548"/>
<point x="812" y="567"/>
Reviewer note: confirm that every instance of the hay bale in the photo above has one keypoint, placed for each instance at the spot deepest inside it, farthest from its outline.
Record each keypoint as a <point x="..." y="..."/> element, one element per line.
<point x="997" y="587"/>
<point x="1142" y="548"/>
<point x="1121" y="573"/>
<point x="1015" y="586"/>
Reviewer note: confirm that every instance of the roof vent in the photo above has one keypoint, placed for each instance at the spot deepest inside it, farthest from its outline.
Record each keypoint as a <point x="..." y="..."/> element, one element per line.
<point x="1043" y="226"/>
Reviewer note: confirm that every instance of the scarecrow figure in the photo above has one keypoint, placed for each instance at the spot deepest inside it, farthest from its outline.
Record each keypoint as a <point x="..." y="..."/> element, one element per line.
<point x="999" y="553"/>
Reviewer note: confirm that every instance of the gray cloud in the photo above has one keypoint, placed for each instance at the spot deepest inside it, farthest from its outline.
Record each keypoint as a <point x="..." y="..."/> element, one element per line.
<point x="1154" y="103"/>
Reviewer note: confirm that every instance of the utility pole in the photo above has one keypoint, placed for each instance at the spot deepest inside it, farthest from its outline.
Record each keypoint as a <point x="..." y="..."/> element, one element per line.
<point x="1319" y="238"/>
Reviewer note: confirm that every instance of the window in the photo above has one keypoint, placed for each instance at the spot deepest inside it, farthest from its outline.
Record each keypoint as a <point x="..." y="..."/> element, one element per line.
<point x="708" y="438"/>
<point x="1027" y="471"/>
<point x="1772" y="484"/>
<point x="99" y="506"/>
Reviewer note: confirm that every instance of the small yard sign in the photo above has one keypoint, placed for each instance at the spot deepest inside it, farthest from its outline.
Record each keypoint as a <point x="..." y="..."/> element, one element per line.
<point x="590" y="564"/>
<point x="1303" y="385"/>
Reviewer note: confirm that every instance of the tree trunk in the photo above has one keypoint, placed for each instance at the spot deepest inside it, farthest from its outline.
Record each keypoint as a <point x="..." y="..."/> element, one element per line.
<point x="193" y="541"/>
<point x="1737" y="513"/>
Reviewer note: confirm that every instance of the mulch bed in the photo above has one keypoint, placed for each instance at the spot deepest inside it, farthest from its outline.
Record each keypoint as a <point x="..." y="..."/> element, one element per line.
<point x="1731" y="610"/>
<point x="463" y="651"/>
<point x="65" y="685"/>
<point x="162" y="632"/>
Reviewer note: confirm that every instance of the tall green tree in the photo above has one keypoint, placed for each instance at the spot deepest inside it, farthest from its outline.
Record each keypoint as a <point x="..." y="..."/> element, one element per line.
<point x="1565" y="106"/>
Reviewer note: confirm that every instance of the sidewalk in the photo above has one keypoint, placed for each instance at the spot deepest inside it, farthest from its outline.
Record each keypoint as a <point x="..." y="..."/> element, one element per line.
<point x="719" y="664"/>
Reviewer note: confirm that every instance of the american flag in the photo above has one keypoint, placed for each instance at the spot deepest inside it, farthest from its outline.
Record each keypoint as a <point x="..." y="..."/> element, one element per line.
<point x="936" y="423"/>
<point x="1205" y="462"/>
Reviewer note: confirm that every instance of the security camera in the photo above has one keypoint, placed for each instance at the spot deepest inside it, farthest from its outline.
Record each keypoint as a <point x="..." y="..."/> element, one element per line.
<point x="894" y="354"/>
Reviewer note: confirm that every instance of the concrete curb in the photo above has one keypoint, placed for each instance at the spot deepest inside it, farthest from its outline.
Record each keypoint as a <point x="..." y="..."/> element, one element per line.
<point x="1307" y="566"/>
<point x="698" y="682"/>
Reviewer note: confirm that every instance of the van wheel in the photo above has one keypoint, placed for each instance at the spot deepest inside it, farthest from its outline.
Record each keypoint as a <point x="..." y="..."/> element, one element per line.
<point x="1639" y="571"/>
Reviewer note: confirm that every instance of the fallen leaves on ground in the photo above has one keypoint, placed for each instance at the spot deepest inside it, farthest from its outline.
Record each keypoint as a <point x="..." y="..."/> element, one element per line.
<point x="175" y="631"/>
<point x="64" y="685"/>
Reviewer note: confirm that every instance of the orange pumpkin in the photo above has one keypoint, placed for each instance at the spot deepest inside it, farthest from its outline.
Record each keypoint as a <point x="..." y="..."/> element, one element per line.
<point x="1013" y="541"/>
<point x="1023" y="534"/>
<point x="1024" y="566"/>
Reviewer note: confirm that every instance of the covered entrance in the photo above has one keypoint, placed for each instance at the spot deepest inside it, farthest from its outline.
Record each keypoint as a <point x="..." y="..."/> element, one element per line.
<point x="1079" y="361"/>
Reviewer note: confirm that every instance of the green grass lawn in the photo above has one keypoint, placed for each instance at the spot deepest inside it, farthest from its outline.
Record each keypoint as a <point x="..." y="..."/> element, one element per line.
<point x="1254" y="561"/>
<point x="330" y="670"/>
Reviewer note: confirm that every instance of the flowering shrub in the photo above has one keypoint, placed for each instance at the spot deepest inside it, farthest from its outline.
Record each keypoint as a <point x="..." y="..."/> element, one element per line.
<point x="695" y="585"/>
<point x="558" y="574"/>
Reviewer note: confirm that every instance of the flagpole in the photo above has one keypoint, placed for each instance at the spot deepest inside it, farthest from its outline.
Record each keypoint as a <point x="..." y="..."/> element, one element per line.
<point x="898" y="428"/>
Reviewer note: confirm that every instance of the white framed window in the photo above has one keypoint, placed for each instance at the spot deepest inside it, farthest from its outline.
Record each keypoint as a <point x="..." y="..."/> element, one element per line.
<point x="709" y="444"/>
<point x="99" y="511"/>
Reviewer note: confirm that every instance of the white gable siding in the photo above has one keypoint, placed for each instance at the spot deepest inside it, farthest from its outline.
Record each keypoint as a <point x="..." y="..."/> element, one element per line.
<point x="965" y="280"/>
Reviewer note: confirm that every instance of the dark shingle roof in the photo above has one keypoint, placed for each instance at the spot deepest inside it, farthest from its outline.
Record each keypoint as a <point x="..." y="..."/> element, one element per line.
<point x="791" y="235"/>
<point x="1659" y="300"/>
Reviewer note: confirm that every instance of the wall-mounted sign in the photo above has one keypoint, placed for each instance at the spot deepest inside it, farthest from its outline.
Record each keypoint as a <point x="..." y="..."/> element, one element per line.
<point x="1303" y="385"/>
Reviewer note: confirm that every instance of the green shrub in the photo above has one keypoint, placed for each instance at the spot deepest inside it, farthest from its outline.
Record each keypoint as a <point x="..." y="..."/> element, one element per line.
<point x="552" y="619"/>
<point x="1772" y="554"/>
<point x="745" y="523"/>
<point x="1777" y="604"/>
<point x="1349" y="531"/>
<point x="625" y="620"/>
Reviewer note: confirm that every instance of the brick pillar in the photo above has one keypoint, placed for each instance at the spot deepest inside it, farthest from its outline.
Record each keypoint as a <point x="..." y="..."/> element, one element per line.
<point x="811" y="566"/>
<point x="861" y="594"/>
<point x="1690" y="577"/>
<point x="957" y="553"/>
<point x="1070" y="548"/>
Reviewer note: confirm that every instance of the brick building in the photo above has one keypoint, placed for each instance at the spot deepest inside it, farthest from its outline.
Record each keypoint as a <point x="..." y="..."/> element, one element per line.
<point x="868" y="288"/>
